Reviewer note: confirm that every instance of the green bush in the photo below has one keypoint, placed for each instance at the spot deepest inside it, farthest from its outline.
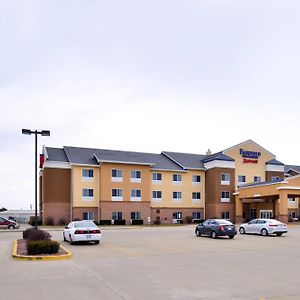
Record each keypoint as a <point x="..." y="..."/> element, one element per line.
<point x="49" y="221"/>
<point x="62" y="222"/>
<point x="36" y="234"/>
<point x="32" y="221"/>
<point x="105" y="222"/>
<point x="42" y="247"/>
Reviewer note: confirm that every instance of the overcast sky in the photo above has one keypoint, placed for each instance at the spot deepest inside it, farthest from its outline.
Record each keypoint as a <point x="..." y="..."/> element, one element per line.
<point x="146" y="76"/>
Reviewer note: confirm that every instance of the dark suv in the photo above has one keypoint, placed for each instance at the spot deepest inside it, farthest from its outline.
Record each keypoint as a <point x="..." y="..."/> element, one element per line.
<point x="8" y="224"/>
<point x="215" y="228"/>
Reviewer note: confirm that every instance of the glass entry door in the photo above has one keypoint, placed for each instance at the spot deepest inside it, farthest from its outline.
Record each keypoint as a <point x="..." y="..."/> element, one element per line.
<point x="266" y="214"/>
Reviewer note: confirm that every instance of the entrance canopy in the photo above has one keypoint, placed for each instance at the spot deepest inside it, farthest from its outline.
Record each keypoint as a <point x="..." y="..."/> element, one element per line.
<point x="279" y="193"/>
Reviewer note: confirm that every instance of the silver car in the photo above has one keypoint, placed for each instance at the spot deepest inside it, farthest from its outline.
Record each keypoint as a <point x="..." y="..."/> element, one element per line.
<point x="263" y="227"/>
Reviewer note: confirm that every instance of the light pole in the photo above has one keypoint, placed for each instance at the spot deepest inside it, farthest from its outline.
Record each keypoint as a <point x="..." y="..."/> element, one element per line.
<point x="43" y="133"/>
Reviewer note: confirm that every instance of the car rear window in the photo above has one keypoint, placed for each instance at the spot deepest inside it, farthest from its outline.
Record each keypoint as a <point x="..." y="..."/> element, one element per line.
<point x="84" y="224"/>
<point x="224" y="222"/>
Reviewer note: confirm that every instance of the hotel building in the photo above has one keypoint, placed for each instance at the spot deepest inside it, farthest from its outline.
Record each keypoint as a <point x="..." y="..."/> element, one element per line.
<point x="239" y="183"/>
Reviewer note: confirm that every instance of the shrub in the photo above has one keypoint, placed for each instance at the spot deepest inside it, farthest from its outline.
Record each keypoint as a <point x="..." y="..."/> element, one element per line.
<point x="188" y="219"/>
<point x="105" y="222"/>
<point x="137" y="222"/>
<point x="198" y="221"/>
<point x="119" y="222"/>
<point x="76" y="219"/>
<point x="42" y="247"/>
<point x="32" y="221"/>
<point x="49" y="221"/>
<point x="36" y="234"/>
<point x="62" y="222"/>
<point x="156" y="222"/>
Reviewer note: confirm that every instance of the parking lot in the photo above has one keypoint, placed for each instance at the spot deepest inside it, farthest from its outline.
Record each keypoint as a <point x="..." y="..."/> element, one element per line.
<point x="158" y="263"/>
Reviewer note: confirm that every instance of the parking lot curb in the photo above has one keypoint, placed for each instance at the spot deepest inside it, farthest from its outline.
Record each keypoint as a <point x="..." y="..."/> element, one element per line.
<point x="39" y="257"/>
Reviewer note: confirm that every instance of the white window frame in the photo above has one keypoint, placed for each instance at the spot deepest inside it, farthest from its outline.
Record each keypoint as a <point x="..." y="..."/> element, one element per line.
<point x="87" y="197"/>
<point x="119" y="197"/>
<point x="196" y="199"/>
<point x="241" y="182"/>
<point x="156" y="199"/>
<point x="177" y="176"/>
<point x="156" y="181"/>
<point x="117" y="178"/>
<point x="274" y="178"/>
<point x="292" y="201"/>
<point x="87" y="178"/>
<point x="135" y="178"/>
<point x="225" y="199"/>
<point x="89" y="215"/>
<point x="134" y="195"/>
<point x="257" y="178"/>
<point x="178" y="197"/>
<point x="196" y="182"/>
<point x="223" y="180"/>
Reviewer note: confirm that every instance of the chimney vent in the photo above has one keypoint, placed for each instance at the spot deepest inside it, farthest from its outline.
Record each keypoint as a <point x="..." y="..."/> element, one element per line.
<point x="208" y="152"/>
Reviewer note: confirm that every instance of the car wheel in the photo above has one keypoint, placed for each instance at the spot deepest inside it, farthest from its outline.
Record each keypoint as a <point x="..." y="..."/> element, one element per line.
<point x="71" y="241"/>
<point x="279" y="233"/>
<point x="242" y="230"/>
<point x="97" y="242"/>
<point x="198" y="233"/>
<point x="11" y="227"/>
<point x="231" y="236"/>
<point x="264" y="232"/>
<point x="214" y="235"/>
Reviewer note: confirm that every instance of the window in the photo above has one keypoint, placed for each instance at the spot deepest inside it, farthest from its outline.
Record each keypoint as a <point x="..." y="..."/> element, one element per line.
<point x="88" y="215"/>
<point x="176" y="178"/>
<point x="257" y="178"/>
<point x="292" y="200"/>
<point x="87" y="173"/>
<point x="135" y="215"/>
<point x="156" y="177"/>
<point x="87" y="194"/>
<point x="196" y="215"/>
<point x="241" y="179"/>
<point x="135" y="195"/>
<point x="177" y="196"/>
<point x="196" y="179"/>
<point x="225" y="196"/>
<point x="225" y="215"/>
<point x="177" y="215"/>
<point x="116" y="215"/>
<point x="135" y="176"/>
<point x="196" y="196"/>
<point x="117" y="194"/>
<point x="156" y="194"/>
<point x="225" y="179"/>
<point x="116" y="175"/>
<point x="275" y="178"/>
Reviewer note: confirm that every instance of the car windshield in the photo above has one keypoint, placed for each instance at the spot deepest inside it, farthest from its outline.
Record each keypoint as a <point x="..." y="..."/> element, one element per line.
<point x="84" y="224"/>
<point x="224" y="222"/>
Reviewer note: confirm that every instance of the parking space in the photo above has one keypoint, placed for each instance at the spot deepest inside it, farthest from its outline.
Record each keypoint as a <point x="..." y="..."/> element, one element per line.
<point x="159" y="263"/>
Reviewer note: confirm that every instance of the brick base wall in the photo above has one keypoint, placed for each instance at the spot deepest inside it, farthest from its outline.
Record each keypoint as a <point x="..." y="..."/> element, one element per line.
<point x="56" y="211"/>
<point x="78" y="212"/>
<point x="165" y="215"/>
<point x="106" y="209"/>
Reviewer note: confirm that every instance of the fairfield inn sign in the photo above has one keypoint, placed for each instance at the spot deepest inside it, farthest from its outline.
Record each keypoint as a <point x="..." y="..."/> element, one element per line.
<point x="250" y="156"/>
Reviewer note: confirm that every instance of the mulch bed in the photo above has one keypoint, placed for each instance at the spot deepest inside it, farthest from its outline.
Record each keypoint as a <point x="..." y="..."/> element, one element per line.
<point x="22" y="249"/>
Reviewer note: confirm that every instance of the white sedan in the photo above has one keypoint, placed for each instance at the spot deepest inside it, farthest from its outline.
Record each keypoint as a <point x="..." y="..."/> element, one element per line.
<point x="263" y="227"/>
<point x="82" y="231"/>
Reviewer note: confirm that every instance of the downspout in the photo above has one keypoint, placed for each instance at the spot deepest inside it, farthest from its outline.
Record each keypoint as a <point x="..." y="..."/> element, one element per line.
<point x="71" y="195"/>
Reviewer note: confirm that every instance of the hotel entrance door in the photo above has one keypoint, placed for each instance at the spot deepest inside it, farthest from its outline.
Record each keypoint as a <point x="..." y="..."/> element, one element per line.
<point x="266" y="214"/>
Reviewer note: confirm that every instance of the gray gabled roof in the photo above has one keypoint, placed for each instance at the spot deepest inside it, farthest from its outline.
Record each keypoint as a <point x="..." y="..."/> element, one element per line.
<point x="186" y="160"/>
<point x="291" y="167"/>
<point x="274" y="162"/>
<point x="91" y="156"/>
<point x="218" y="156"/>
<point x="56" y="154"/>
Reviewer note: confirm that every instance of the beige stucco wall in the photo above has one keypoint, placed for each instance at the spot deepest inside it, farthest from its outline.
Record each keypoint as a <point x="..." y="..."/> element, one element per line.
<point x="186" y="187"/>
<point x="77" y="184"/>
<point x="249" y="169"/>
<point x="106" y="183"/>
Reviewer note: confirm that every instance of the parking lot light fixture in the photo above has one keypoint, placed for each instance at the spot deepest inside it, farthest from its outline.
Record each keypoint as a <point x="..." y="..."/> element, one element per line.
<point x="43" y="133"/>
